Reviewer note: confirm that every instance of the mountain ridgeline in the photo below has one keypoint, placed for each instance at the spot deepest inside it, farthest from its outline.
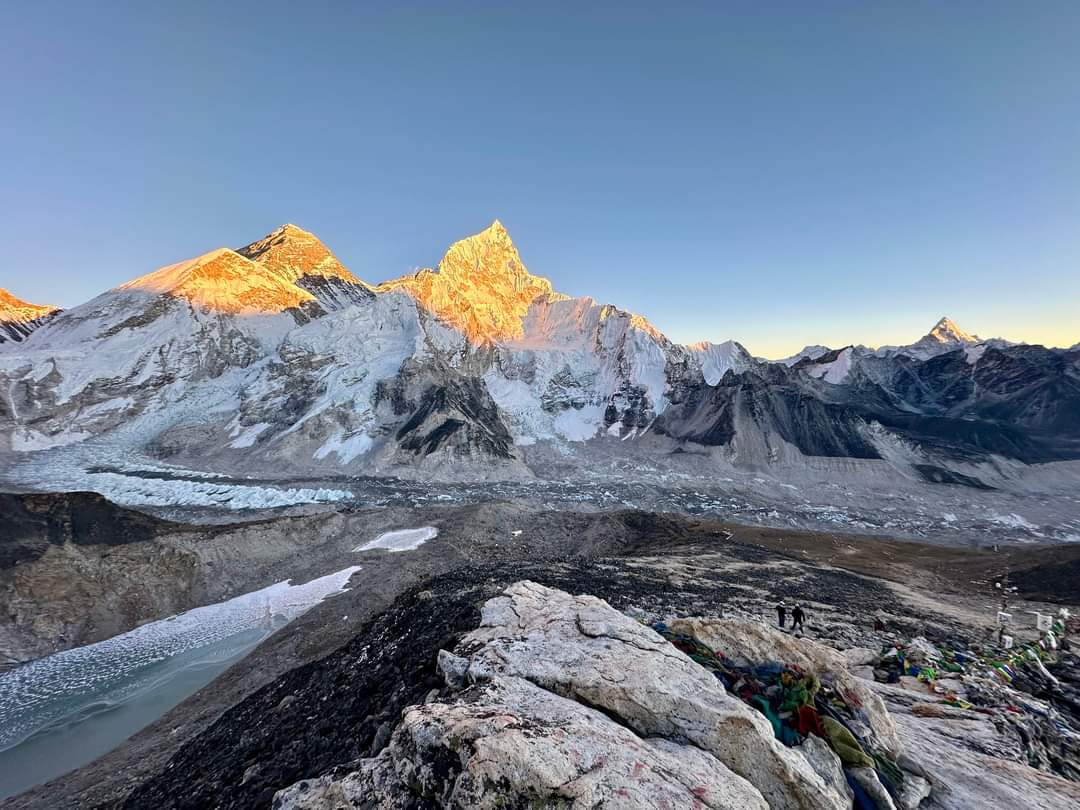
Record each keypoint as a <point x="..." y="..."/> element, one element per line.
<point x="275" y="357"/>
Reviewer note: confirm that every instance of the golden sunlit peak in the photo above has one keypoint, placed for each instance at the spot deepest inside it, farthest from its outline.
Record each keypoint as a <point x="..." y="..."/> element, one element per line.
<point x="292" y="253"/>
<point x="12" y="308"/>
<point x="223" y="281"/>
<point x="481" y="286"/>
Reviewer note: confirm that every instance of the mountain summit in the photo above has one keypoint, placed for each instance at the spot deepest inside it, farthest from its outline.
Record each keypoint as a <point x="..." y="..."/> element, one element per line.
<point x="946" y="331"/>
<point x="293" y="253"/>
<point x="223" y="281"/>
<point x="946" y="336"/>
<point x="19" y="318"/>
<point x="481" y="286"/>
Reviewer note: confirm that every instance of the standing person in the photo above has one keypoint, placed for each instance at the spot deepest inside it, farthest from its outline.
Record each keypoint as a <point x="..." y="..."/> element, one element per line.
<point x="797" y="619"/>
<point x="781" y="614"/>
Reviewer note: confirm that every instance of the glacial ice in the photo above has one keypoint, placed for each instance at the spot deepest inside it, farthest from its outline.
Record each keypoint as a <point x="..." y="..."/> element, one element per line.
<point x="42" y="693"/>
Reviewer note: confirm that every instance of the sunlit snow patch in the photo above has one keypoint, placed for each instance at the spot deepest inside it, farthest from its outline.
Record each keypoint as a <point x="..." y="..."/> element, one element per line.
<point x="401" y="540"/>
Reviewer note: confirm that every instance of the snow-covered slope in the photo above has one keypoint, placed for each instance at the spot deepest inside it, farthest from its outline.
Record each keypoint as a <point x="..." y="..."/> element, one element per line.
<point x="223" y="281"/>
<point x="717" y="359"/>
<point x="19" y="318"/>
<point x="811" y="352"/>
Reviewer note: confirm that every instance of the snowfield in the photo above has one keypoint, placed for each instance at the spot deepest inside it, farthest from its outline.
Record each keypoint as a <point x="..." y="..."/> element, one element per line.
<point x="401" y="540"/>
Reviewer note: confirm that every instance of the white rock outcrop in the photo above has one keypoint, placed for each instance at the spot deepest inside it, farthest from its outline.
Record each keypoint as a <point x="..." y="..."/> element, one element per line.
<point x="572" y="704"/>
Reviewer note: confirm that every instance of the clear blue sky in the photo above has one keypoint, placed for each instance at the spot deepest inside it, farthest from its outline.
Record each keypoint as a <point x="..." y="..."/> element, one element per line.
<point x="804" y="173"/>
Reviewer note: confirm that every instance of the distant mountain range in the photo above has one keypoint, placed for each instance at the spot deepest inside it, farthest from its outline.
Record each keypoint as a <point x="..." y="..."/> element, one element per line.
<point x="276" y="357"/>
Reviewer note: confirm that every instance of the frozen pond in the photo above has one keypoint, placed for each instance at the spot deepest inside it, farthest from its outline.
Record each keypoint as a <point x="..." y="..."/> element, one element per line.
<point x="65" y="710"/>
<point x="401" y="540"/>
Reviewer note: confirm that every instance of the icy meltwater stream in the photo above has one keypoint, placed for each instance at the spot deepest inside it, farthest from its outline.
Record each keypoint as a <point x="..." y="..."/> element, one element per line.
<point x="63" y="711"/>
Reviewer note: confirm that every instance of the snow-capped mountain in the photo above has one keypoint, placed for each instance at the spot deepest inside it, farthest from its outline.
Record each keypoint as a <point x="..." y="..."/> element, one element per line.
<point x="811" y="352"/>
<point x="276" y="358"/>
<point x="19" y="318"/>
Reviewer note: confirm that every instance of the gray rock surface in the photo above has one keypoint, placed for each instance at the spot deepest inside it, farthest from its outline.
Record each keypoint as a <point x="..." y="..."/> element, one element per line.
<point x="574" y="702"/>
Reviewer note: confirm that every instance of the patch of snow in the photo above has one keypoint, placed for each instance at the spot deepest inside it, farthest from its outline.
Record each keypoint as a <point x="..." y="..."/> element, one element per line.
<point x="579" y="424"/>
<point x="25" y="440"/>
<point x="346" y="449"/>
<point x="973" y="353"/>
<point x="718" y="358"/>
<point x="248" y="435"/>
<point x="401" y="539"/>
<point x="834" y="372"/>
<point x="812" y="352"/>
<point x="1013" y="521"/>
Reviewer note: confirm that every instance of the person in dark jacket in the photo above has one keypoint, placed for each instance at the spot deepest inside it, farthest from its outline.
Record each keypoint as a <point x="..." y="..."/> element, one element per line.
<point x="797" y="618"/>
<point x="781" y="614"/>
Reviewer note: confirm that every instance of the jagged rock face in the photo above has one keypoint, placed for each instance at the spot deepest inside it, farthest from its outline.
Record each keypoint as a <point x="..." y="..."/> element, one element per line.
<point x="293" y="253"/>
<point x="32" y="523"/>
<point x="774" y="404"/>
<point x="19" y="318"/>
<point x="481" y="287"/>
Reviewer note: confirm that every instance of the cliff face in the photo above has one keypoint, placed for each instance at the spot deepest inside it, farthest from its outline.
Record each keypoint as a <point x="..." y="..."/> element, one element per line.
<point x="33" y="523"/>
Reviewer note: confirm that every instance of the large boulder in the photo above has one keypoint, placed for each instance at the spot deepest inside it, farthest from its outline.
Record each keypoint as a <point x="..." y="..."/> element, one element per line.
<point x="583" y="649"/>
<point x="752" y="643"/>
<point x="508" y="743"/>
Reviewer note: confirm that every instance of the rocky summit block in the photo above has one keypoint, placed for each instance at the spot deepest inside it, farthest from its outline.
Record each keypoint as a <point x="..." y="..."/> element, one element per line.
<point x="570" y="703"/>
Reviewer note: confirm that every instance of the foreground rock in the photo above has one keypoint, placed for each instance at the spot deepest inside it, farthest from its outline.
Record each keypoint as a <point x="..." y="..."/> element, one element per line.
<point x="969" y="760"/>
<point x="507" y="741"/>
<point x="544" y="660"/>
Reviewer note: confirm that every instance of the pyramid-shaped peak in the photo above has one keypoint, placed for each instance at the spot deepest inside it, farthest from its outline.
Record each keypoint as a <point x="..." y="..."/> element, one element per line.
<point x="292" y="253"/>
<point x="946" y="331"/>
<point x="489" y="254"/>
<point x="481" y="286"/>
